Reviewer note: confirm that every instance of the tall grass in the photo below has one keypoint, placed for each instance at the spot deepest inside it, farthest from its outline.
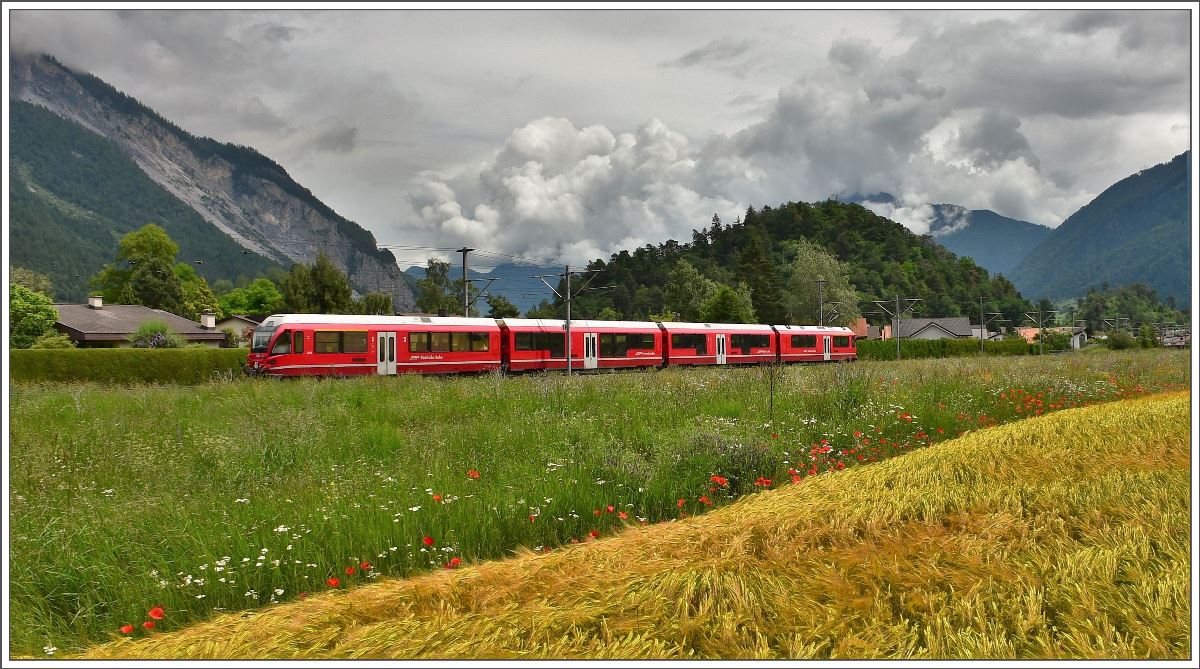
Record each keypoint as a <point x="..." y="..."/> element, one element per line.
<point x="1046" y="539"/>
<point x="234" y="495"/>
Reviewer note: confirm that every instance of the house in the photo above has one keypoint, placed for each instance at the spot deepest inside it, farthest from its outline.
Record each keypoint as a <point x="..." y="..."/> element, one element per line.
<point x="957" y="327"/>
<point x="238" y="323"/>
<point x="95" y="325"/>
<point x="1078" y="335"/>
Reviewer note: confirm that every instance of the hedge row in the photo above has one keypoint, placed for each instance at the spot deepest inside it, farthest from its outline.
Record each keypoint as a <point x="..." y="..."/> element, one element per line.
<point x="126" y="365"/>
<point x="940" y="348"/>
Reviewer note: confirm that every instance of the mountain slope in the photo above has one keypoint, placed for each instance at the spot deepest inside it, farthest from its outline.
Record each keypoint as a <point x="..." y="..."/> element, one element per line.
<point x="996" y="243"/>
<point x="513" y="281"/>
<point x="73" y="194"/>
<point x="244" y="194"/>
<point x="1135" y="231"/>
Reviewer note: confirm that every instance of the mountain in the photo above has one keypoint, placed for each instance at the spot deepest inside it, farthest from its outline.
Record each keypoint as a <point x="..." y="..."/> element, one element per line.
<point x="514" y="281"/>
<point x="243" y="196"/>
<point x="1136" y="231"/>
<point x="996" y="243"/>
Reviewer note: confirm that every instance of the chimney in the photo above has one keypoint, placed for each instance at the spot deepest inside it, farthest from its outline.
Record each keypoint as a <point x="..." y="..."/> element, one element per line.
<point x="95" y="302"/>
<point x="208" y="320"/>
<point x="441" y="313"/>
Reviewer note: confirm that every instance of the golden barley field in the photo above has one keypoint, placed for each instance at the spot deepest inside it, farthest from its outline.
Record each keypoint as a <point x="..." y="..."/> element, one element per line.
<point x="1064" y="536"/>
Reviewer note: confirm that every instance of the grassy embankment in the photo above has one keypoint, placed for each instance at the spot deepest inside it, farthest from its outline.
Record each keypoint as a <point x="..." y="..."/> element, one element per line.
<point x="230" y="496"/>
<point x="1064" y="536"/>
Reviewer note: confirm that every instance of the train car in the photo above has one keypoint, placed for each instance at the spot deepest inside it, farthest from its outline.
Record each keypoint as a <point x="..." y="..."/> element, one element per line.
<point x="332" y="344"/>
<point x="718" y="344"/>
<point x="814" y="343"/>
<point x="531" y="344"/>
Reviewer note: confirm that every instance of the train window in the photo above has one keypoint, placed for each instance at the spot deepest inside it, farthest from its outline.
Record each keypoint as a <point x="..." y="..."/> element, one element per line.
<point x="523" y="341"/>
<point x="641" y="341"/>
<point x="354" y="342"/>
<point x="460" y="341"/>
<point x="418" y="342"/>
<point x="746" y="341"/>
<point x="327" y="342"/>
<point x="282" y="345"/>
<point x="804" y="341"/>
<point x="298" y="342"/>
<point x="841" y="342"/>
<point x="696" y="341"/>
<point x="615" y="345"/>
<point x="380" y="354"/>
<point x="555" y="343"/>
<point x="480" y="341"/>
<point x="439" y="342"/>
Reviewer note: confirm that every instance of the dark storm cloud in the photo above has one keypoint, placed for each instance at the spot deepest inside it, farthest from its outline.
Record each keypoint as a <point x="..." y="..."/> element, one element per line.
<point x="996" y="138"/>
<point x="717" y="51"/>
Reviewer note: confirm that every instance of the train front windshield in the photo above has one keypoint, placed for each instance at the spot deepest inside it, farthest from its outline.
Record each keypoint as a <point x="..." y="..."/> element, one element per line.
<point x="262" y="337"/>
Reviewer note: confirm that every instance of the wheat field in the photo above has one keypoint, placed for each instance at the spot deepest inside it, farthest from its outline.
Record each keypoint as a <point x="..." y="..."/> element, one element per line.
<point x="1064" y="536"/>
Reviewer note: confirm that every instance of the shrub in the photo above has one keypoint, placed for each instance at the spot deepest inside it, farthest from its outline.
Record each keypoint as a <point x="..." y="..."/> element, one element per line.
<point x="1119" y="341"/>
<point x="154" y="334"/>
<point x="126" y="365"/>
<point x="53" y="340"/>
<point x="869" y="349"/>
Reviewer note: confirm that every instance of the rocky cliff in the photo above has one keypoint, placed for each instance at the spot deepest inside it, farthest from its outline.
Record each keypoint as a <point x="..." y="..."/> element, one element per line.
<point x="241" y="192"/>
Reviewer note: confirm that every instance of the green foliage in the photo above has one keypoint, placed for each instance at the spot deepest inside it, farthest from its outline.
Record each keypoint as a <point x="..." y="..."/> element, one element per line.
<point x="727" y="305"/>
<point x="436" y="290"/>
<point x="74" y="193"/>
<point x="609" y="314"/>
<point x="154" y="334"/>
<point x="1147" y="338"/>
<point x="500" y="307"/>
<point x="756" y="270"/>
<point x="32" y="280"/>
<point x="544" y="309"/>
<point x="127" y="365"/>
<point x="144" y="274"/>
<point x="1137" y="302"/>
<point x="320" y="288"/>
<point x="875" y="349"/>
<point x="1119" y="341"/>
<point x="686" y="290"/>
<point x="375" y="304"/>
<point x="232" y="338"/>
<point x="53" y="339"/>
<point x="30" y="315"/>
<point x="1056" y="341"/>
<point x="259" y="299"/>
<point x="196" y="297"/>
<point x="812" y="262"/>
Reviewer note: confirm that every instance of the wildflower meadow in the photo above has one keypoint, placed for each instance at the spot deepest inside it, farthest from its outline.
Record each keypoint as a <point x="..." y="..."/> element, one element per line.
<point x="139" y="510"/>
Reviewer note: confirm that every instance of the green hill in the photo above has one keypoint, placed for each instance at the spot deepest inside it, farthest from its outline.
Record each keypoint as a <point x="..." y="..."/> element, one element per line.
<point x="73" y="194"/>
<point x="1136" y="231"/>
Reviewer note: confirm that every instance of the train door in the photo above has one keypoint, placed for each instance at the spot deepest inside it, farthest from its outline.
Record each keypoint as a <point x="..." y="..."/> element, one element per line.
<point x="828" y="340"/>
<point x="590" y="359"/>
<point x="385" y="345"/>
<point x="720" y="349"/>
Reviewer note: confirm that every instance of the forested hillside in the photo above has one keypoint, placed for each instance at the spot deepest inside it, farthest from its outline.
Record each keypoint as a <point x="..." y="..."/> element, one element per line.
<point x="73" y="194"/>
<point x="883" y="258"/>
<point x="1136" y="231"/>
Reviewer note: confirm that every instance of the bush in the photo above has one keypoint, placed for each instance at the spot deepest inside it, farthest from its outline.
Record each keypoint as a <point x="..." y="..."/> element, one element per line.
<point x="126" y="365"/>
<point x="56" y="340"/>
<point x="154" y="334"/>
<point x="1119" y="341"/>
<point x="232" y="339"/>
<point x="870" y="349"/>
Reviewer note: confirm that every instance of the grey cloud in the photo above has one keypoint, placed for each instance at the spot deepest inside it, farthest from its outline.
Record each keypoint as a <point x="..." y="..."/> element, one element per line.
<point x="996" y="138"/>
<point x="853" y="53"/>
<point x="716" y="51"/>
<point x="327" y="135"/>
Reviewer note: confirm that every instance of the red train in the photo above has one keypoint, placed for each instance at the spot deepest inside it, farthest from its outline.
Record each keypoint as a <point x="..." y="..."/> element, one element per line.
<point x="318" y="344"/>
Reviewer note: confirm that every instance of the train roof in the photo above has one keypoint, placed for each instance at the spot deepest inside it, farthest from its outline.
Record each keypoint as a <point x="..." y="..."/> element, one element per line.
<point x="715" y="326"/>
<point x="813" y="328"/>
<point x="557" y="324"/>
<point x="276" y="320"/>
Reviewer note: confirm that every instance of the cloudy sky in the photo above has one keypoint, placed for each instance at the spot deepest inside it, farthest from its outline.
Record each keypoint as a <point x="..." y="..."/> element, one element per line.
<point x="567" y="135"/>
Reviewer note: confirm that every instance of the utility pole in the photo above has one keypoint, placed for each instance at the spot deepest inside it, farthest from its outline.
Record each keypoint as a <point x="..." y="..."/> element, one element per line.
<point x="567" y="298"/>
<point x="1040" y="322"/>
<point x="984" y="320"/>
<point x="820" y="301"/>
<point x="910" y="302"/>
<point x="466" y="292"/>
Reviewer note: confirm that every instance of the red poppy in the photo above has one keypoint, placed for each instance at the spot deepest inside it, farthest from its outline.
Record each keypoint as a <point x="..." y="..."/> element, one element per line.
<point x="126" y="629"/>
<point x="774" y="436"/>
<point x="428" y="541"/>
<point x="596" y="512"/>
<point x="156" y="613"/>
<point x="680" y="503"/>
<point x="763" y="482"/>
<point x="532" y="518"/>
<point x="594" y="534"/>
<point x="623" y="516"/>
<point x="349" y="571"/>
<point x="857" y="435"/>
<point x="704" y="500"/>
<point x="720" y="480"/>
<point x="472" y="474"/>
<point x="455" y="561"/>
<point x="437" y="498"/>
<point x="364" y="565"/>
<point x="149" y="624"/>
<point x="333" y="582"/>
<point x="796" y="478"/>
<point x="609" y="508"/>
